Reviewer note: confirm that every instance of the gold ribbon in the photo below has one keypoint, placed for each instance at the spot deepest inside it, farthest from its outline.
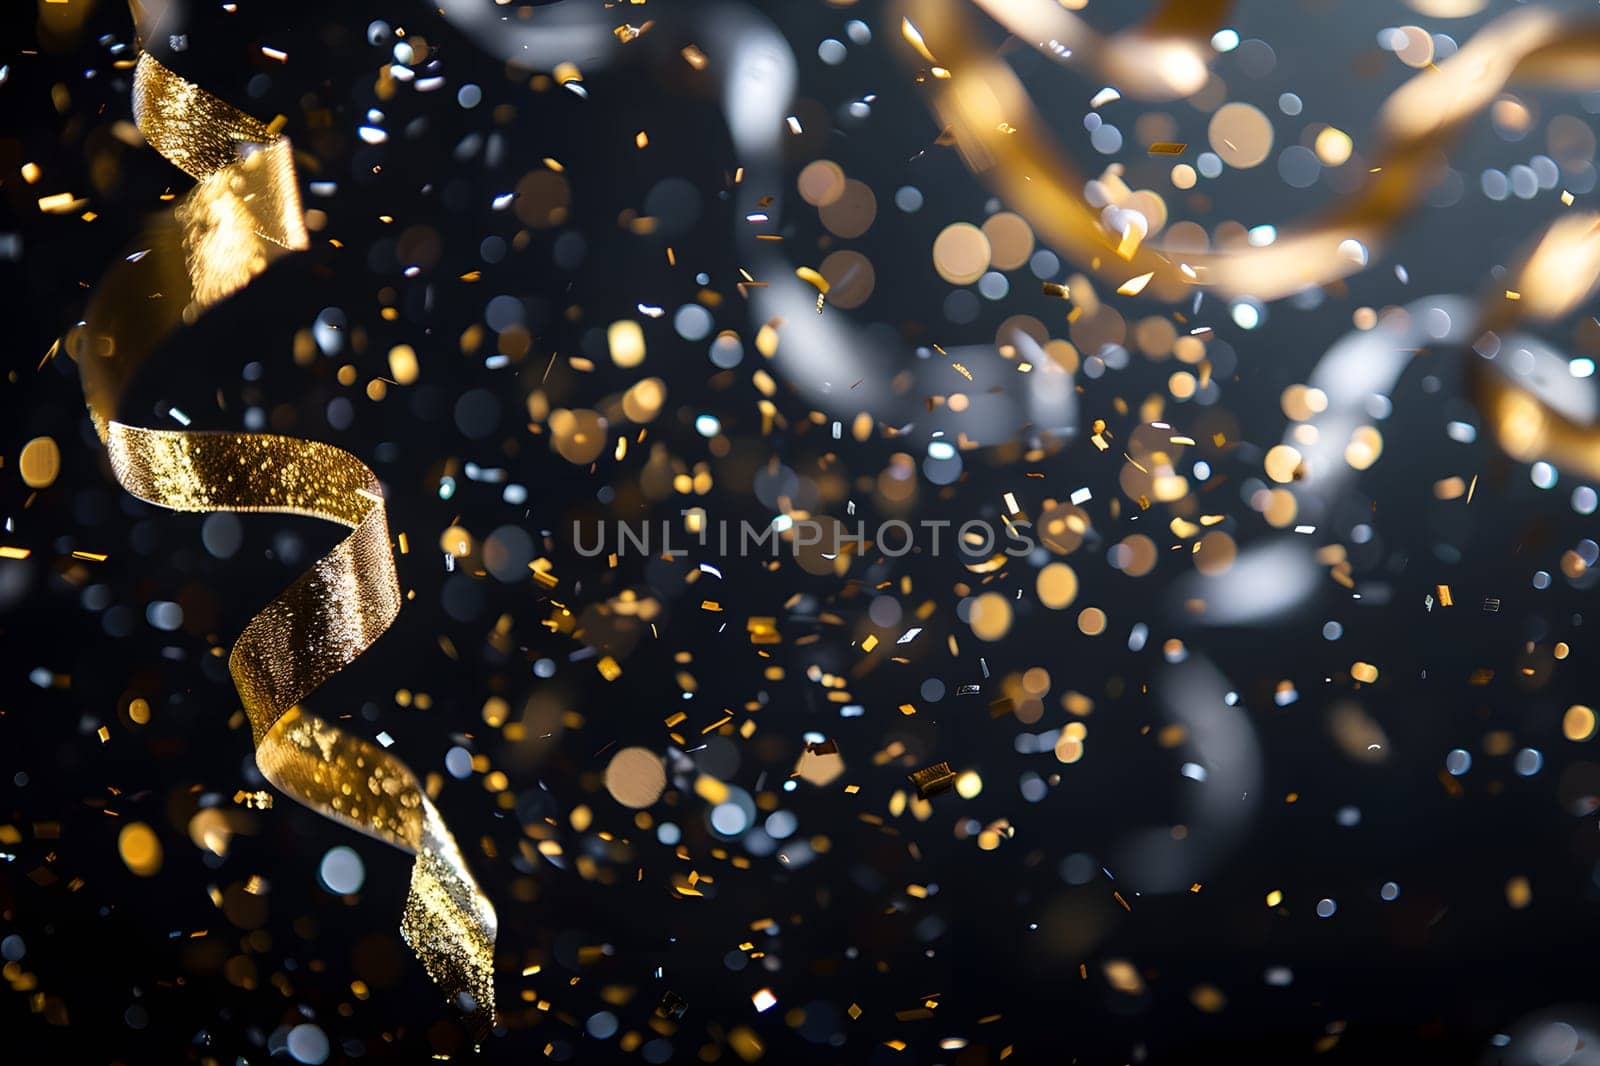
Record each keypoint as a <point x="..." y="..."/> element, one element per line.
<point x="243" y="212"/>
<point x="1003" y="138"/>
<point x="1557" y="276"/>
<point x="1164" y="58"/>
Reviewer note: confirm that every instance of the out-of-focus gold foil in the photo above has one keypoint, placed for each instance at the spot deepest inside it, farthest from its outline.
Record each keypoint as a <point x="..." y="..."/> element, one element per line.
<point x="1560" y="274"/>
<point x="243" y="212"/>
<point x="1004" y="139"/>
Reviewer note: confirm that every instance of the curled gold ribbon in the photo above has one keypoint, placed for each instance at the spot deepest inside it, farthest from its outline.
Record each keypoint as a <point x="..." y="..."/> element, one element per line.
<point x="1004" y="139"/>
<point x="1559" y="274"/>
<point x="243" y="212"/>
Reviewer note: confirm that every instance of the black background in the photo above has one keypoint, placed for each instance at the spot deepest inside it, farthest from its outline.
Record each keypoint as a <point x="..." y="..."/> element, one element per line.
<point x="1430" y="977"/>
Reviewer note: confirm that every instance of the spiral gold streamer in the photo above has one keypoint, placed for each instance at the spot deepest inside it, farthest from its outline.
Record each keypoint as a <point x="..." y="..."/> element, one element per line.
<point x="243" y="212"/>
<point x="1004" y="139"/>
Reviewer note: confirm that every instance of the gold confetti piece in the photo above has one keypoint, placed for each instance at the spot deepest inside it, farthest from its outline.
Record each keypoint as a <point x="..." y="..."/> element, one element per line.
<point x="243" y="212"/>
<point x="1052" y="288"/>
<point x="963" y="371"/>
<point x="62" y="203"/>
<point x="1444" y="596"/>
<point x="1134" y="286"/>
<point x="609" y="668"/>
<point x="30" y="173"/>
<point x="1566" y="198"/>
<point x="543" y="574"/>
<point x="913" y="37"/>
<point x="1168" y="148"/>
<point x="8" y="551"/>
<point x="1274" y="898"/>
<point x="808" y="274"/>
<point x="140" y="849"/>
<point x="710" y="789"/>
<point x="932" y="780"/>
<point x="694" y="57"/>
<point x="870" y="642"/>
<point x="104" y="734"/>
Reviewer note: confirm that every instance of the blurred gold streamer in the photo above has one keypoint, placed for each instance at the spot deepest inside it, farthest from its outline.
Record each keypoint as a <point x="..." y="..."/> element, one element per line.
<point x="1003" y="138"/>
<point x="243" y="212"/>
<point x="1561" y="273"/>
<point x="1165" y="58"/>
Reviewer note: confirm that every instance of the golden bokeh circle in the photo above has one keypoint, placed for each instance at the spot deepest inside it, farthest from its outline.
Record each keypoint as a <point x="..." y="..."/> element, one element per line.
<point x="851" y="278"/>
<point x="852" y="214"/>
<point x="577" y="436"/>
<point x="39" y="463"/>
<point x="1283" y="463"/>
<point x="543" y="199"/>
<point x="643" y="400"/>
<point x="1241" y="134"/>
<point x="635" y="777"/>
<point x="1215" y="554"/>
<point x="1057" y="586"/>
<point x="140" y="849"/>
<point x="990" y="616"/>
<point x="821" y="183"/>
<point x="961" y="253"/>
<point x="1578" y="723"/>
<point x="1010" y="240"/>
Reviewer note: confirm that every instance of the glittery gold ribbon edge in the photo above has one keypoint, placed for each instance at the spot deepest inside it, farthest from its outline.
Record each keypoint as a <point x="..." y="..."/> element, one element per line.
<point x="244" y="211"/>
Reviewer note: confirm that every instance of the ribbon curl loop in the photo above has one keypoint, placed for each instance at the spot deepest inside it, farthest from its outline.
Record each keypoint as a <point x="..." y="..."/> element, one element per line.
<point x="243" y="212"/>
